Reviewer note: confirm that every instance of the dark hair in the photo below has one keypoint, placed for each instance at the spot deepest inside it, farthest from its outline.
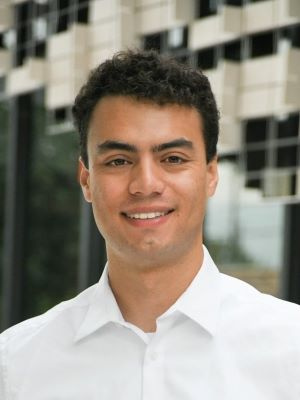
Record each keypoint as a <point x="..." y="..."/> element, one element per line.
<point x="147" y="75"/>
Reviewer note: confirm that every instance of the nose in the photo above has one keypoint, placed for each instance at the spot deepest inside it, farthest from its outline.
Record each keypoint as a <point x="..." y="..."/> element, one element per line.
<point x="146" y="179"/>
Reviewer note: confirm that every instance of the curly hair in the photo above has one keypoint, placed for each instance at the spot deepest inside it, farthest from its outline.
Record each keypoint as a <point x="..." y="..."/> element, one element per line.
<point x="147" y="76"/>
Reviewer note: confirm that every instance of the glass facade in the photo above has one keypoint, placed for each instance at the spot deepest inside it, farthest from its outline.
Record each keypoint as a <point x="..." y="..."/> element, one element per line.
<point x="260" y="176"/>
<point x="52" y="234"/>
<point x="48" y="47"/>
<point x="3" y="147"/>
<point x="244" y="232"/>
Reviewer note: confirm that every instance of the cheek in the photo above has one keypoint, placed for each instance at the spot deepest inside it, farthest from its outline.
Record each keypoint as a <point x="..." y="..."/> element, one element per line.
<point x="106" y="194"/>
<point x="191" y="194"/>
<point x="192" y="187"/>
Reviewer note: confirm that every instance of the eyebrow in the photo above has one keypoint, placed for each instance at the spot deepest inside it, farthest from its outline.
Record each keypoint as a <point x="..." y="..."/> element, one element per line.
<point x="174" y="143"/>
<point x="118" y="145"/>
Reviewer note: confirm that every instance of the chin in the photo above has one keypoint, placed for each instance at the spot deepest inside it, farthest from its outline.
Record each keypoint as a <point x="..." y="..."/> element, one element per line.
<point x="154" y="250"/>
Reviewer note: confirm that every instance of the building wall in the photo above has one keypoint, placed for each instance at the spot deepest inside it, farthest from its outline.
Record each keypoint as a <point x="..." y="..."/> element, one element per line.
<point x="250" y="51"/>
<point x="251" y="54"/>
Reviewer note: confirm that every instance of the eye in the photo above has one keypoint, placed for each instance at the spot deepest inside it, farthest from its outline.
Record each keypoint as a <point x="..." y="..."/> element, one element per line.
<point x="118" y="162"/>
<point x="174" y="160"/>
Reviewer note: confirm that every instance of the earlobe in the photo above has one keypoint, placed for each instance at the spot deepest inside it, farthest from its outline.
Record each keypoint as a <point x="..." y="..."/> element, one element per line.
<point x="84" y="180"/>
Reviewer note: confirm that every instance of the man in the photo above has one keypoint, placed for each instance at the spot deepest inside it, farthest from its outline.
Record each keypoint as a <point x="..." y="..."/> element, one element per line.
<point x="162" y="323"/>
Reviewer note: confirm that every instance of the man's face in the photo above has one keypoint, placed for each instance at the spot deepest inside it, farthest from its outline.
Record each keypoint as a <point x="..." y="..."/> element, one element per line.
<point x="148" y="180"/>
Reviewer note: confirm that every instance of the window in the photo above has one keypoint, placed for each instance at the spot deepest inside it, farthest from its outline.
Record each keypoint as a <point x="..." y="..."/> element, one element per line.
<point x="262" y="44"/>
<point x="40" y="50"/>
<point x="243" y="233"/>
<point x="178" y="38"/>
<point x="62" y="23"/>
<point x="288" y="127"/>
<point x="83" y="14"/>
<point x="286" y="156"/>
<point x="60" y="114"/>
<point x="2" y="84"/>
<point x="9" y="39"/>
<point x="293" y="184"/>
<point x="233" y="2"/>
<point x="41" y="9"/>
<point x="22" y="12"/>
<point x="233" y="51"/>
<point x="254" y="183"/>
<point x="22" y="35"/>
<point x="207" y="8"/>
<point x="291" y="34"/>
<point x="53" y="159"/>
<point x="62" y="4"/>
<point x="39" y="29"/>
<point x="2" y="45"/>
<point x="154" y="41"/>
<point x="207" y="58"/>
<point x="255" y="160"/>
<point x="20" y="57"/>
<point x="256" y="130"/>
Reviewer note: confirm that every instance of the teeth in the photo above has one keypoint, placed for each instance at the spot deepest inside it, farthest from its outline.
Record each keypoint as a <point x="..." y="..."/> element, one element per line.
<point x="146" y="215"/>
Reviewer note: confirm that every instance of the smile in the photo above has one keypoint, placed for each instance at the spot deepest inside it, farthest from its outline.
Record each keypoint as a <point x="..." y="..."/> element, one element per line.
<point x="150" y="215"/>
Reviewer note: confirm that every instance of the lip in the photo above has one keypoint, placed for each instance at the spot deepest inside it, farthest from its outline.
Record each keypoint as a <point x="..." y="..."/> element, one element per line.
<point x="151" y="222"/>
<point x="145" y="210"/>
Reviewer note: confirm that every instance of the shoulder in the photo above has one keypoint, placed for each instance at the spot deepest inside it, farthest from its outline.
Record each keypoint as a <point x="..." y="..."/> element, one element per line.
<point x="32" y="338"/>
<point x="250" y="309"/>
<point x="238" y="293"/>
<point x="261" y="334"/>
<point x="68" y="312"/>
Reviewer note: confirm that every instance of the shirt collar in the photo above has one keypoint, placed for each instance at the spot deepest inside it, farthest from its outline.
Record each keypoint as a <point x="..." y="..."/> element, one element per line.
<point x="102" y="309"/>
<point x="200" y="302"/>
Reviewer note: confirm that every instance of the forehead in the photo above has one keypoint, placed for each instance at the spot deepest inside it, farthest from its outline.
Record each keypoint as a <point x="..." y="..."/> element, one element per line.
<point x="122" y="117"/>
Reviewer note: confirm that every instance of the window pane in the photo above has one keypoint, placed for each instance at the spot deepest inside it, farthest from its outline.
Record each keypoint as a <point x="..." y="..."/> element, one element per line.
<point x="207" y="7"/>
<point x="288" y="127"/>
<point x="233" y="2"/>
<point x="153" y="42"/>
<point x="206" y="59"/>
<point x="287" y="156"/>
<point x="256" y="130"/>
<point x="232" y="51"/>
<point x="244" y="234"/>
<point x="262" y="44"/>
<point x="53" y="210"/>
<point x="3" y="150"/>
<point x="255" y="160"/>
<point x="292" y="34"/>
<point x="83" y="14"/>
<point x="177" y="38"/>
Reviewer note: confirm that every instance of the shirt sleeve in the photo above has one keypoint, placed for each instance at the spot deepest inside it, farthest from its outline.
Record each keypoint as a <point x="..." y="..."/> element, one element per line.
<point x="3" y="377"/>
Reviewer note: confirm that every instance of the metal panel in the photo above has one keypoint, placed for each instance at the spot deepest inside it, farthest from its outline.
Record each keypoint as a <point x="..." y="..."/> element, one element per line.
<point x="92" y="256"/>
<point x="17" y="167"/>
<point x="291" y="267"/>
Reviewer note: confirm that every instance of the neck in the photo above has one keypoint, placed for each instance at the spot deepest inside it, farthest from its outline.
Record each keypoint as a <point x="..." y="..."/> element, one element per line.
<point x="143" y="294"/>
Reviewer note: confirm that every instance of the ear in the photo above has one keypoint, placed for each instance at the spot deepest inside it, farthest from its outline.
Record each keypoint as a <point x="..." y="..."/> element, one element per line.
<point x="84" y="180"/>
<point x="212" y="177"/>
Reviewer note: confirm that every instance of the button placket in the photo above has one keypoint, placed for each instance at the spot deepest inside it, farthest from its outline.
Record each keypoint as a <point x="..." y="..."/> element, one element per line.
<point x="152" y="372"/>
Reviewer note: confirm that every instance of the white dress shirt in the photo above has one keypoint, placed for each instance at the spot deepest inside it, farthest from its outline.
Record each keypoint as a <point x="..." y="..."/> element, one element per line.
<point x="222" y="339"/>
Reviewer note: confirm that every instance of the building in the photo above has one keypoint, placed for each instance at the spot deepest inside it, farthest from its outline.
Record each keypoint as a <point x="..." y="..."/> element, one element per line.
<point x="249" y="49"/>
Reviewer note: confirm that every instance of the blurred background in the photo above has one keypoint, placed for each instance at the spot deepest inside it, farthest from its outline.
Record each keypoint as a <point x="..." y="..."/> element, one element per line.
<point x="250" y="50"/>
